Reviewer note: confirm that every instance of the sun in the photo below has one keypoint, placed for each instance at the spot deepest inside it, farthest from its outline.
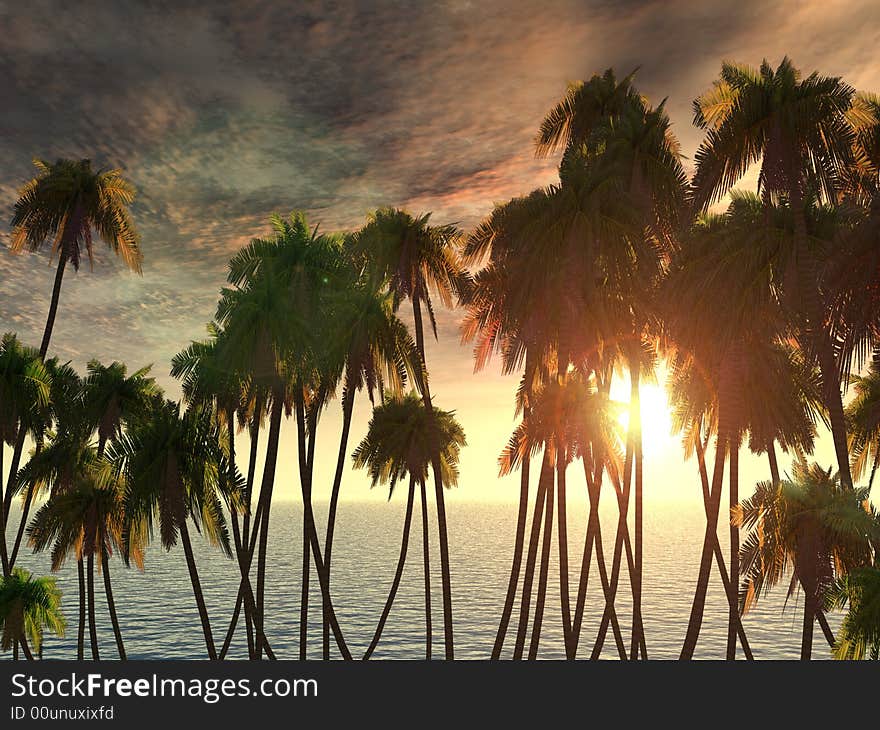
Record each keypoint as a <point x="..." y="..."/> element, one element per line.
<point x="656" y="416"/>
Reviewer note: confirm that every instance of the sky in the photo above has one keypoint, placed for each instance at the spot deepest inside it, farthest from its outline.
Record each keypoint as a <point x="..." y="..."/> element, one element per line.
<point x="223" y="113"/>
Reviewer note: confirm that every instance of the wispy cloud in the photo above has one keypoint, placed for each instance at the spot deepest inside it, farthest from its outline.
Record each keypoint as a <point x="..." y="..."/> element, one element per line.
<point x="224" y="112"/>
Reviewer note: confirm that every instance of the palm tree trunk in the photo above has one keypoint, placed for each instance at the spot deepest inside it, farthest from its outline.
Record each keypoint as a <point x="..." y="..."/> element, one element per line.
<point x="819" y="336"/>
<point x="562" y="531"/>
<point x="532" y="556"/>
<point x="305" y="573"/>
<point x="347" y="409"/>
<point x="609" y="591"/>
<point x="834" y="404"/>
<point x="826" y="629"/>
<point x="17" y="451"/>
<point x="111" y="604"/>
<point x="15" y="650"/>
<point x="53" y="304"/>
<point x="4" y="558"/>
<point x="246" y="592"/>
<point x="711" y="536"/>
<point x="266" y="500"/>
<point x="621" y="540"/>
<point x="90" y="584"/>
<point x="398" y="574"/>
<point x="638" y="525"/>
<point x="733" y="611"/>
<point x="874" y="466"/>
<point x="426" y="553"/>
<point x="239" y="542"/>
<point x="315" y="545"/>
<point x="306" y="439"/>
<point x="807" y="635"/>
<point x="442" y="529"/>
<point x="730" y="588"/>
<point x="518" y="549"/>
<point x="81" y="631"/>
<point x="197" y="587"/>
<point x="246" y="522"/>
<point x="774" y="465"/>
<point x="25" y="512"/>
<point x="541" y="596"/>
<point x="26" y="649"/>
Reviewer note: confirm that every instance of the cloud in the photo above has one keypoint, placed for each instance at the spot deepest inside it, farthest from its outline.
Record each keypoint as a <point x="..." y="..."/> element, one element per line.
<point x="224" y="112"/>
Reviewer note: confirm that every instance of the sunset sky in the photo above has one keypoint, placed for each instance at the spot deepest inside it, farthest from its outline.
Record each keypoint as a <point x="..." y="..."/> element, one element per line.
<point x="224" y="114"/>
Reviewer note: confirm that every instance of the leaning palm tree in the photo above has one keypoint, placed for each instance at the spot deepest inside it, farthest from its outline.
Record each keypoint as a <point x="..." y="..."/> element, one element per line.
<point x="174" y="470"/>
<point x="863" y="417"/>
<point x="401" y="441"/>
<point x="812" y="529"/>
<point x="416" y="258"/>
<point x="859" y="593"/>
<point x="800" y="131"/>
<point x="87" y="520"/>
<point x="64" y="204"/>
<point x="28" y="606"/>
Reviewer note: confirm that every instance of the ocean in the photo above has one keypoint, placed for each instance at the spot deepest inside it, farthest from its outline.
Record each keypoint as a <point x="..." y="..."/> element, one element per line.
<point x="159" y="621"/>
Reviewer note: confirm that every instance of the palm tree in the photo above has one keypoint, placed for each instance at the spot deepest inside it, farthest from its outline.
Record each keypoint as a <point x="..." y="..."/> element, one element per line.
<point x="417" y="258"/>
<point x="25" y="386"/>
<point x="66" y="202"/>
<point x="863" y="418"/>
<point x="379" y="355"/>
<point x="502" y="317"/>
<point x="800" y="131"/>
<point x="87" y="519"/>
<point x="859" y="593"/>
<point x="113" y="397"/>
<point x="208" y="380"/>
<point x="274" y="316"/>
<point x="401" y="441"/>
<point x="610" y="120"/>
<point x="812" y="527"/>
<point x="63" y="413"/>
<point x="175" y="469"/>
<point x="568" y="420"/>
<point x="28" y="606"/>
<point x="771" y="396"/>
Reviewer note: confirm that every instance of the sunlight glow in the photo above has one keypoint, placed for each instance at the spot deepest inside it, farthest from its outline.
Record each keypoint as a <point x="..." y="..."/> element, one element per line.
<point x="656" y="416"/>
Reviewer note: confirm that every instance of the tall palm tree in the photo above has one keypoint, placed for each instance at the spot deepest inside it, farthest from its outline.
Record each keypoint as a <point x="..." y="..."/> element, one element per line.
<point x="772" y="395"/>
<point x="800" y="131"/>
<point x="812" y="527"/>
<point x="635" y="143"/>
<point x="174" y="470"/>
<point x="87" y="519"/>
<point x="379" y="355"/>
<point x="66" y="202"/>
<point x="417" y="258"/>
<point x="274" y="316"/>
<point x="402" y="440"/>
<point x="28" y="606"/>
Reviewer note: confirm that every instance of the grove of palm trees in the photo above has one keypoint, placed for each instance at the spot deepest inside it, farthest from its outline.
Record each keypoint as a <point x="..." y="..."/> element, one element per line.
<point x="744" y="282"/>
